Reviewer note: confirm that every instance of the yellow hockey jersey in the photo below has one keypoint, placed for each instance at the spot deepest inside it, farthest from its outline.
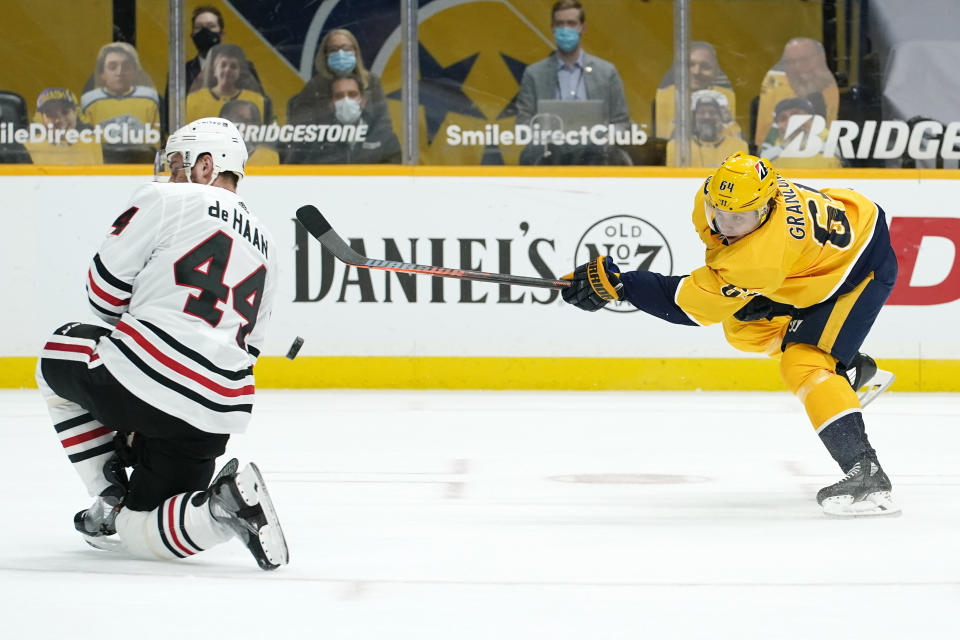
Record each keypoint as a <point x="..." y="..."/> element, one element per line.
<point x="801" y="255"/>
<point x="141" y="106"/>
<point x="775" y="88"/>
<point x="80" y="153"/>
<point x="263" y="156"/>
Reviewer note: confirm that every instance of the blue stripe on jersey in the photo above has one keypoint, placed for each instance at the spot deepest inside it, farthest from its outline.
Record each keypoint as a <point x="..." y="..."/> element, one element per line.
<point x="655" y="294"/>
<point x="873" y="257"/>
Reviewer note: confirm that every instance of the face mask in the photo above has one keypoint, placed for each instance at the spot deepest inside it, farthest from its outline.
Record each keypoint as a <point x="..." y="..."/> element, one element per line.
<point x="205" y="39"/>
<point x="708" y="130"/>
<point x="341" y="61"/>
<point x="347" y="110"/>
<point x="567" y="38"/>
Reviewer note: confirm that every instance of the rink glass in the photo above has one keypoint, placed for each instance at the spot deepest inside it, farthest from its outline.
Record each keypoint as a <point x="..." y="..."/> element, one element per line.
<point x="471" y="58"/>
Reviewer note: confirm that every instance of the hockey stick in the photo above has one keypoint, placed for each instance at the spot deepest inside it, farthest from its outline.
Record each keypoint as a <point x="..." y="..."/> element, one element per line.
<point x="314" y="222"/>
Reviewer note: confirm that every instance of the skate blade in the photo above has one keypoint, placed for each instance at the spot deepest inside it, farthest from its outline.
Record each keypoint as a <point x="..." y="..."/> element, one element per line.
<point x="879" y="383"/>
<point x="104" y="543"/>
<point x="272" y="540"/>
<point x="879" y="503"/>
<point x="274" y="545"/>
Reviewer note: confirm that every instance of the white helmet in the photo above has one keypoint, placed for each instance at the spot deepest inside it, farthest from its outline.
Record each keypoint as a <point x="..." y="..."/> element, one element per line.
<point x="216" y="136"/>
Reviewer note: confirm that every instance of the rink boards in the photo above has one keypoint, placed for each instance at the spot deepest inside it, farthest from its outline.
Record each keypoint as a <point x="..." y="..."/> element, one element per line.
<point x="378" y="330"/>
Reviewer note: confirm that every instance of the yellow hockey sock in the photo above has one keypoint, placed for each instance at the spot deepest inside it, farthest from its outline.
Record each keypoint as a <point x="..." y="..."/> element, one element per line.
<point x="811" y="374"/>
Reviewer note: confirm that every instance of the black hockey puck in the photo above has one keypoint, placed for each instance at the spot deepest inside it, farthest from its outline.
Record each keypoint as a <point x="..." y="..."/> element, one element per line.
<point x="295" y="347"/>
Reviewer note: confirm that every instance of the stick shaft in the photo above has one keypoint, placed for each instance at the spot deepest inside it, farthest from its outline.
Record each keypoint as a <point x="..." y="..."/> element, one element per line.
<point x="319" y="228"/>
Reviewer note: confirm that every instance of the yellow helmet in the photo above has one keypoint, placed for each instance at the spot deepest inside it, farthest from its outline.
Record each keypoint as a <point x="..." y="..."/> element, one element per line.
<point x="739" y="195"/>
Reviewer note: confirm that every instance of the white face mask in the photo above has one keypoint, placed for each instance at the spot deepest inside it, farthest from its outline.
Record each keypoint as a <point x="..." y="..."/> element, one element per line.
<point x="347" y="110"/>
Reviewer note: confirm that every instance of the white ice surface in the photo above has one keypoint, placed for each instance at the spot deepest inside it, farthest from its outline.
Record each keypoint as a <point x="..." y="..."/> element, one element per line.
<point x="507" y="515"/>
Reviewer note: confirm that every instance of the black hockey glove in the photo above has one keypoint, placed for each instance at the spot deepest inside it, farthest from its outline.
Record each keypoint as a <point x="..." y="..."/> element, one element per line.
<point x="594" y="284"/>
<point x="761" y="308"/>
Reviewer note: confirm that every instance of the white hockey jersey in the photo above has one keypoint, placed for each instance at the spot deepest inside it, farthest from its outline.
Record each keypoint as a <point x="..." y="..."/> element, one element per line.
<point x="188" y="277"/>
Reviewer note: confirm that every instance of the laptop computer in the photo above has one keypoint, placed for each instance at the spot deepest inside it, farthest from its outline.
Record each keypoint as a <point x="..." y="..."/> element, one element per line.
<point x="573" y="114"/>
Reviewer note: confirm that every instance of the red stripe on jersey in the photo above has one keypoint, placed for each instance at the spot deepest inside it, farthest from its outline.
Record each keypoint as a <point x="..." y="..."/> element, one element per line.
<point x="103" y="295"/>
<point x="180" y="368"/>
<point x="173" y="527"/>
<point x="84" y="437"/>
<point x="76" y="348"/>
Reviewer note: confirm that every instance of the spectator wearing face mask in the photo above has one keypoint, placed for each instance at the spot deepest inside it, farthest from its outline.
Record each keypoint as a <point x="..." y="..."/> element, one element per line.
<point x="207" y="32"/>
<point x="709" y="144"/>
<point x="570" y="73"/>
<point x="375" y="143"/>
<point x="338" y="56"/>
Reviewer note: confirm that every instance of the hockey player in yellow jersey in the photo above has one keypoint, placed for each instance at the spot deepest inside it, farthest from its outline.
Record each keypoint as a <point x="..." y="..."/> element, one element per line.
<point x="794" y="272"/>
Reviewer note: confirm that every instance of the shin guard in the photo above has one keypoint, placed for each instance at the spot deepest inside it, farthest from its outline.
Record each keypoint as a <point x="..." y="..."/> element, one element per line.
<point x="176" y="529"/>
<point x="831" y="403"/>
<point x="87" y="443"/>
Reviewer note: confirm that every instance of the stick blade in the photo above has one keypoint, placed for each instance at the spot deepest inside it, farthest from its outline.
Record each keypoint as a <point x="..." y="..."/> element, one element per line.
<point x="312" y="220"/>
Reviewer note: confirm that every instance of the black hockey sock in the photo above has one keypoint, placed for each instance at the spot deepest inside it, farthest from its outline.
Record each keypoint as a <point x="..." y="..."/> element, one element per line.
<point x="846" y="439"/>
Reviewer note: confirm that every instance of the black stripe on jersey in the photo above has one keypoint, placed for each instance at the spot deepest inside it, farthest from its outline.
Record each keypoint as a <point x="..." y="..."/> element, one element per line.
<point x="179" y="388"/>
<point x="73" y="422"/>
<point x="253" y="351"/>
<point x="106" y="447"/>
<point x="109" y="278"/>
<point x="193" y="355"/>
<point x="112" y="314"/>
<point x="163" y="535"/>
<point x="183" y="518"/>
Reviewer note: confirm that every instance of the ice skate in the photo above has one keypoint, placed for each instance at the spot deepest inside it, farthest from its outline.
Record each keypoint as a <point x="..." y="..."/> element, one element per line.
<point x="240" y="501"/>
<point x="866" y="379"/>
<point x="97" y="523"/>
<point x="864" y="491"/>
<point x="99" y="519"/>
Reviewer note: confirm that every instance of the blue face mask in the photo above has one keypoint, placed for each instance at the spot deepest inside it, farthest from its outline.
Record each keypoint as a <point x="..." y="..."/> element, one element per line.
<point x="342" y="61"/>
<point x="567" y="38"/>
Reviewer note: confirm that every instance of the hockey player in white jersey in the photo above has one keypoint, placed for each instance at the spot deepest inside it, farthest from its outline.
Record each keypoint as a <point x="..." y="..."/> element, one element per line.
<point x="186" y="276"/>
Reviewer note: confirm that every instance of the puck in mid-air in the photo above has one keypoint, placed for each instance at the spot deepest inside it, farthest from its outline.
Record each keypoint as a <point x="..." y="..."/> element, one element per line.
<point x="295" y="348"/>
